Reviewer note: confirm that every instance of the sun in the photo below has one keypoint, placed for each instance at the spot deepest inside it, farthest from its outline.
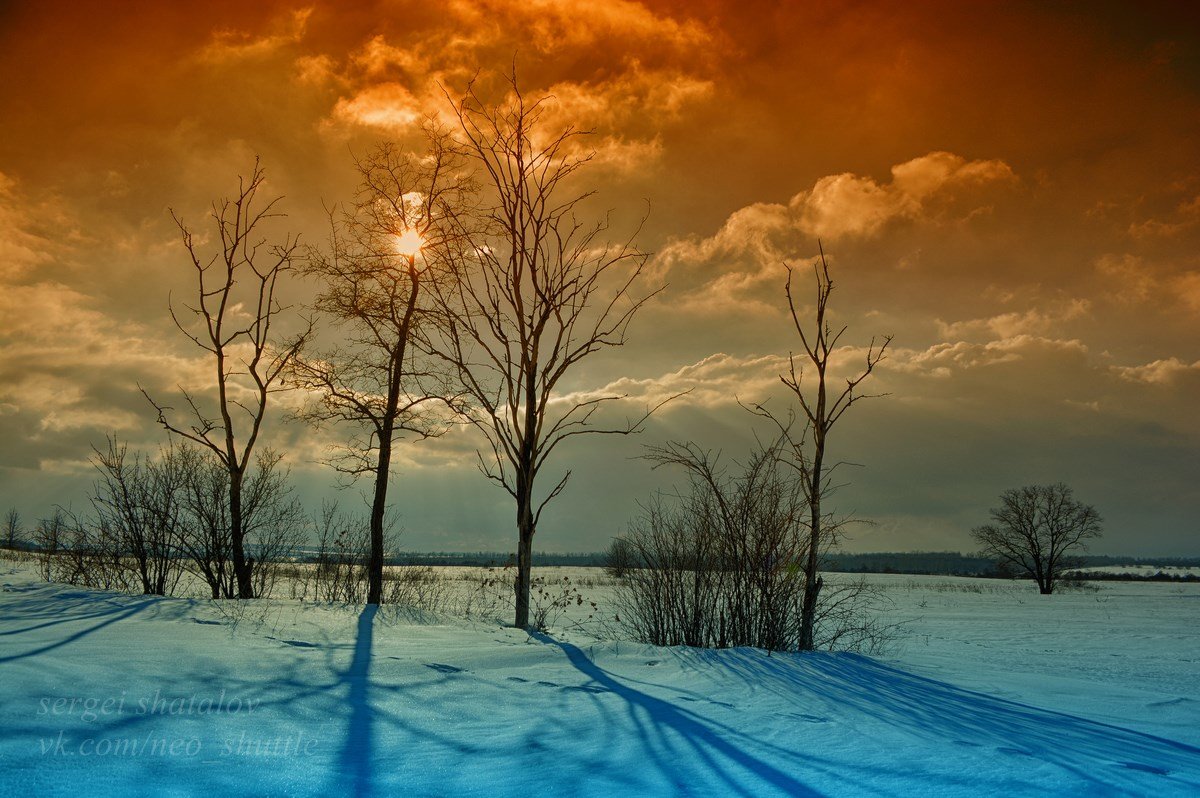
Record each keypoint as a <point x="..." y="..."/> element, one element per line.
<point x="409" y="242"/>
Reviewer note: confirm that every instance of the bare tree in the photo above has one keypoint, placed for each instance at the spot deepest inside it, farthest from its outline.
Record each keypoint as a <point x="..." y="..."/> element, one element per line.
<point x="730" y="553"/>
<point x="274" y="522"/>
<point x="720" y="564"/>
<point x="234" y="314"/>
<point x="822" y="406"/>
<point x="381" y="253"/>
<point x="205" y="543"/>
<point x="12" y="528"/>
<point x="536" y="291"/>
<point x="1035" y="529"/>
<point x="140" y="502"/>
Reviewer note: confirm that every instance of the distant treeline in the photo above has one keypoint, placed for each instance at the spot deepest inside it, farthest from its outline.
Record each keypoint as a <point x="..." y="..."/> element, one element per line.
<point x="947" y="563"/>
<point x="1157" y="576"/>
<point x="492" y="559"/>
<point x="953" y="563"/>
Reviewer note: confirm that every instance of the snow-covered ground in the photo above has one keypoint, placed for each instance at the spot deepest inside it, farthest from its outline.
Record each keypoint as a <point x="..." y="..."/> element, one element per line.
<point x="991" y="690"/>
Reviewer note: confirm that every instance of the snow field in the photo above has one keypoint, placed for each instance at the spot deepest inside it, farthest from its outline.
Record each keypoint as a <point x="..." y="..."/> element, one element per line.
<point x="991" y="690"/>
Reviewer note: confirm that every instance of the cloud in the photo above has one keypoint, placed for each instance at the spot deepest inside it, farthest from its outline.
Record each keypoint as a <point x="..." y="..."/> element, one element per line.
<point x="1009" y="325"/>
<point x="228" y="46"/>
<point x="849" y="205"/>
<point x="31" y="231"/>
<point x="69" y="372"/>
<point x="1186" y="287"/>
<point x="1131" y="278"/>
<point x="578" y="26"/>
<point x="1159" y="372"/>
<point x="947" y="359"/>
<point x="717" y="380"/>
<point x="385" y="106"/>
<point x="744" y="258"/>
<point x="644" y="71"/>
<point x="1185" y="216"/>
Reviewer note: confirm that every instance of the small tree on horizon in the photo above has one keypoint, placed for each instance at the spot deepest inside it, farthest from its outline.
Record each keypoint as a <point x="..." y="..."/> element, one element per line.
<point x="1034" y="531"/>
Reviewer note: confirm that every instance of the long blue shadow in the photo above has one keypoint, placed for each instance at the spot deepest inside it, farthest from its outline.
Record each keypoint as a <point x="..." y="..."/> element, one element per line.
<point x="111" y="618"/>
<point x="721" y="756"/>
<point x="1100" y="754"/>
<point x="356" y="760"/>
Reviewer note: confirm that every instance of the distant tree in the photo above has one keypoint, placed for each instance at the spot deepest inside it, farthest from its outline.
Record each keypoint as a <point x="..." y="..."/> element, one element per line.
<point x="535" y="292"/>
<point x="1034" y="531"/>
<point x="380" y="381"/>
<point x="12" y="528"/>
<point x="49" y="536"/>
<point x="620" y="558"/>
<point x="234" y="314"/>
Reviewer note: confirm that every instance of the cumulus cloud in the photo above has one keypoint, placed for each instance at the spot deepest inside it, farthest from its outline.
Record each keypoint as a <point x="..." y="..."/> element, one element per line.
<point x="719" y="379"/>
<point x="647" y="69"/>
<point x="385" y="106"/>
<point x="851" y="205"/>
<point x="949" y="358"/>
<point x="745" y="255"/>
<point x="1034" y="321"/>
<point x="1159" y="372"/>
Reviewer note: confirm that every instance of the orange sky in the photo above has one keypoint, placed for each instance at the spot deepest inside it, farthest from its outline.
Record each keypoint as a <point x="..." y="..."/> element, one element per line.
<point x="1012" y="190"/>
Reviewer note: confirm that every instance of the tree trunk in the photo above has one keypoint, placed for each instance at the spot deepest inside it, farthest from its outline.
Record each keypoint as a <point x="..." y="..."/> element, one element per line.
<point x="378" y="506"/>
<point x="524" y="559"/>
<point x="241" y="566"/>
<point x="812" y="584"/>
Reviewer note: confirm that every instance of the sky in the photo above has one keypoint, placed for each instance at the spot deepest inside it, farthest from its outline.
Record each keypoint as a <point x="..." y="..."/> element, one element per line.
<point x="1010" y="190"/>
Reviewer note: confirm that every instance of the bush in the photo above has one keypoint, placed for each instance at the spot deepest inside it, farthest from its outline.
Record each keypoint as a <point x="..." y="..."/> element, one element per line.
<point x="722" y="565"/>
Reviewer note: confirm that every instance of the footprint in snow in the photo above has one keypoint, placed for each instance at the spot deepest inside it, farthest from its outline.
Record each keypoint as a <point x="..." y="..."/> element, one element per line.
<point x="440" y="668"/>
<point x="518" y="679"/>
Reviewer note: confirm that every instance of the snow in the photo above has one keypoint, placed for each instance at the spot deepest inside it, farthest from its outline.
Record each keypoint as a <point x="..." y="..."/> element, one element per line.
<point x="991" y="690"/>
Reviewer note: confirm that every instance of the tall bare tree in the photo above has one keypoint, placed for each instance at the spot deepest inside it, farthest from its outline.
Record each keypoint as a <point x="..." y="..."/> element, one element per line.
<point x="382" y="251"/>
<point x="1035" y="529"/>
<point x="822" y="406"/>
<point x="535" y="293"/>
<point x="232" y="320"/>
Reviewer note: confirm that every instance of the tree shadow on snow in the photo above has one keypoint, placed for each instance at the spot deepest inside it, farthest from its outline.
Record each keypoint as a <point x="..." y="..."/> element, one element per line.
<point x="356" y="756"/>
<point x="672" y="734"/>
<point x="1100" y="754"/>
